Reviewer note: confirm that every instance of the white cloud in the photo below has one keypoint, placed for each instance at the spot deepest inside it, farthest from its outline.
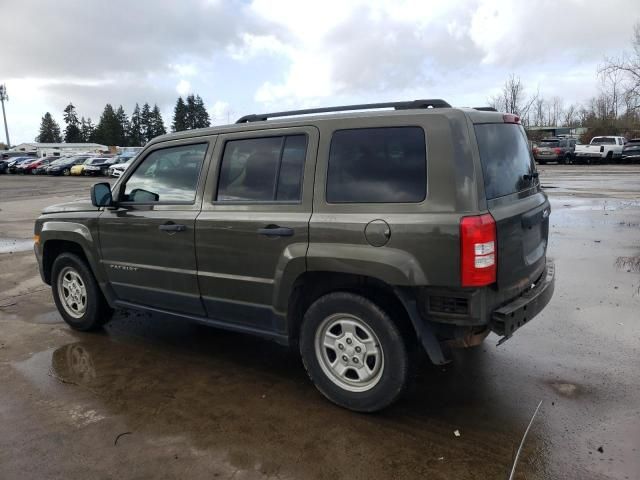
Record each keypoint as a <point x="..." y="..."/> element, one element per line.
<point x="184" y="87"/>
<point x="256" y="54"/>
<point x="184" y="69"/>
<point x="361" y="48"/>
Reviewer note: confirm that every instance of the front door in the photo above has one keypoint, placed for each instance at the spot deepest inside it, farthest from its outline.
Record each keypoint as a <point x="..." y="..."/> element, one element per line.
<point x="147" y="242"/>
<point x="253" y="231"/>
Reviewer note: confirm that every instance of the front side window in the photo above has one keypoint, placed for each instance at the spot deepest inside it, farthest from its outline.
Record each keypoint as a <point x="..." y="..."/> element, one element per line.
<point x="263" y="169"/>
<point x="167" y="175"/>
<point x="377" y="165"/>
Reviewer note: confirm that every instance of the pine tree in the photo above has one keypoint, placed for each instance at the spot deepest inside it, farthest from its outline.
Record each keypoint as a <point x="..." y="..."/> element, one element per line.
<point x="179" y="116"/>
<point x="108" y="130"/>
<point x="201" y="115"/>
<point x="196" y="115"/>
<point x="145" y="123"/>
<point x="157" y="123"/>
<point x="190" y="115"/>
<point x="72" y="133"/>
<point x="123" y="127"/>
<point x="135" y="128"/>
<point x="87" y="130"/>
<point x="49" y="130"/>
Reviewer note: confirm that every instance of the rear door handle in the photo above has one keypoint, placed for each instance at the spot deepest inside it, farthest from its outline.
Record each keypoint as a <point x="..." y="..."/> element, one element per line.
<point x="172" y="227"/>
<point x="276" y="231"/>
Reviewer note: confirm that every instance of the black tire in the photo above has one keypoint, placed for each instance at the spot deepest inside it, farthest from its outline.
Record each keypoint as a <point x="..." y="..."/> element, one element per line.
<point x="96" y="310"/>
<point x="568" y="159"/>
<point x="66" y="172"/>
<point x="608" y="158"/>
<point x="391" y="379"/>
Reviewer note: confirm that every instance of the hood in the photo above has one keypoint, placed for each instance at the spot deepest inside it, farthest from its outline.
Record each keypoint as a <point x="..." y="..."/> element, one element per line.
<point x="80" y="206"/>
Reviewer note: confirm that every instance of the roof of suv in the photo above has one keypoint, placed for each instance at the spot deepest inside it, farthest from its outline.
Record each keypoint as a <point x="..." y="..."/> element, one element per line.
<point x="306" y="117"/>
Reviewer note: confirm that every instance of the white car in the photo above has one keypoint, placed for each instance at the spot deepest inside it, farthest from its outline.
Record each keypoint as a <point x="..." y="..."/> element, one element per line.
<point x="119" y="168"/>
<point x="601" y="148"/>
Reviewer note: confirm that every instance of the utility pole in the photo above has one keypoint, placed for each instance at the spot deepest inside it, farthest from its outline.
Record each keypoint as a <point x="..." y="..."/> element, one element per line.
<point x="3" y="97"/>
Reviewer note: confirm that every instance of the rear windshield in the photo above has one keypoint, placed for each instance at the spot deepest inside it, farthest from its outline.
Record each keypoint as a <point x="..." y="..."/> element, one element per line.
<point x="603" y="141"/>
<point x="549" y="143"/>
<point x="505" y="158"/>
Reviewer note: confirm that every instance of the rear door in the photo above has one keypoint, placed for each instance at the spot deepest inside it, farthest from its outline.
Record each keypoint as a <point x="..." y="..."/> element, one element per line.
<point x="516" y="202"/>
<point x="147" y="242"/>
<point x="253" y="230"/>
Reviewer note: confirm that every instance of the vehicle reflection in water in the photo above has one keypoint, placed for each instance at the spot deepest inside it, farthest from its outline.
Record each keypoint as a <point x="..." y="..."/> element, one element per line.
<point x="73" y="364"/>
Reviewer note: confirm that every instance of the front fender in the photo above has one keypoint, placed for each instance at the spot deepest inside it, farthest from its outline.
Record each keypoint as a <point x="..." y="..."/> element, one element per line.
<point x="72" y="232"/>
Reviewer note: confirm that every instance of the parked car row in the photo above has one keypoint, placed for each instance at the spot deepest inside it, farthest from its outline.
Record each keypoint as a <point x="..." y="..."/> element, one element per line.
<point x="605" y="149"/>
<point x="83" y="164"/>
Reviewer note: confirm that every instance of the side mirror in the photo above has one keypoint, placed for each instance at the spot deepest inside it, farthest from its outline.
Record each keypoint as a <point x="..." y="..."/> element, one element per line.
<point x="101" y="195"/>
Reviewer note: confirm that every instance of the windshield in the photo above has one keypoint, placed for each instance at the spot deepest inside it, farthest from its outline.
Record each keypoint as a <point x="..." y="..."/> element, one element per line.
<point x="603" y="141"/>
<point x="505" y="157"/>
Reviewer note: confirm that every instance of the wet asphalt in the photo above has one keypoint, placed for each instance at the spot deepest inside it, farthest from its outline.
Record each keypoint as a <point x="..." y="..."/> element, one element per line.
<point x="153" y="397"/>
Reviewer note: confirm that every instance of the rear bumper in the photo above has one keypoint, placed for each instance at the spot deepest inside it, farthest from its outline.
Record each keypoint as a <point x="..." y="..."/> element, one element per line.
<point x="508" y="318"/>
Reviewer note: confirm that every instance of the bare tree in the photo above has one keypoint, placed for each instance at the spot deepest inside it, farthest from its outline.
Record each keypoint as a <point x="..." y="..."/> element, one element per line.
<point x="554" y="111"/>
<point x="570" y="116"/>
<point x="627" y="67"/>
<point x="512" y="99"/>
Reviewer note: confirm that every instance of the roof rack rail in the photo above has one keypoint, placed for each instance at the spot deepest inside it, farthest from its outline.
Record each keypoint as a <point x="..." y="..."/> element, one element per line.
<point x="485" y="109"/>
<point x="431" y="103"/>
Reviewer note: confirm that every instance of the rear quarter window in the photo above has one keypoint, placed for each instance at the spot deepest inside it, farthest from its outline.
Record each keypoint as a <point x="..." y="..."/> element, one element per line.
<point x="505" y="158"/>
<point x="377" y="165"/>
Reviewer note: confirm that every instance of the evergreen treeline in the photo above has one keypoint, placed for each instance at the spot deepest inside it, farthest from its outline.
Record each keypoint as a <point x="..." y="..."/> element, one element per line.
<point x="116" y="128"/>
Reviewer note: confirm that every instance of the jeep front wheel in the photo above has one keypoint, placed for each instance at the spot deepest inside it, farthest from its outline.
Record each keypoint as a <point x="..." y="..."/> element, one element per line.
<point x="77" y="295"/>
<point x="353" y="352"/>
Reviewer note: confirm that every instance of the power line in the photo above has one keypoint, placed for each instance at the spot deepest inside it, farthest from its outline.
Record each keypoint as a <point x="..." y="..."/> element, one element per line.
<point x="3" y="97"/>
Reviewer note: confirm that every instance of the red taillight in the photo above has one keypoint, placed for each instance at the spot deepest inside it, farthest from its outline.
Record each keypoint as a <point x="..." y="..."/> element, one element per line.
<point x="478" y="254"/>
<point x="557" y="150"/>
<point x="510" y="118"/>
<point x="535" y="150"/>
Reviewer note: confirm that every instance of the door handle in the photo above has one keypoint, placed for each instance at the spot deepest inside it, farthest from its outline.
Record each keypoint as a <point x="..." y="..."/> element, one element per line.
<point x="276" y="231"/>
<point x="172" y="227"/>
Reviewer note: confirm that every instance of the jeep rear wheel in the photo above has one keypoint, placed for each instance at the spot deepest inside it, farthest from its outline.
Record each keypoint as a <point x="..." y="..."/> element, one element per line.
<point x="353" y="352"/>
<point x="77" y="295"/>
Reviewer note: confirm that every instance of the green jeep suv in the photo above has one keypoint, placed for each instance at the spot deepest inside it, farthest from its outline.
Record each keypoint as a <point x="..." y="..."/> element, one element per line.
<point x="356" y="234"/>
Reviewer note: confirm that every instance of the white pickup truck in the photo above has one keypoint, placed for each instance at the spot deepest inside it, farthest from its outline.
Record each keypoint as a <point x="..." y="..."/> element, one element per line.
<point x="600" y="149"/>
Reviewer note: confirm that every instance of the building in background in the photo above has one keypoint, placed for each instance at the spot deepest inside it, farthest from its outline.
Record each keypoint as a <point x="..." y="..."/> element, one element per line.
<point x="59" y="149"/>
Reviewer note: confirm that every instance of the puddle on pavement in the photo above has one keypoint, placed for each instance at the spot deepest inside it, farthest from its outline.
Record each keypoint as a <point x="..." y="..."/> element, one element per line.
<point x="11" y="245"/>
<point x="47" y="318"/>
<point x="628" y="264"/>
<point x="240" y="395"/>
<point x="565" y="389"/>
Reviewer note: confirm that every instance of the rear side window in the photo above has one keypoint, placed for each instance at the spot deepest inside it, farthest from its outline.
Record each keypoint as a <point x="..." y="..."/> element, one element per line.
<point x="505" y="158"/>
<point x="377" y="165"/>
<point x="263" y="169"/>
<point x="603" y="141"/>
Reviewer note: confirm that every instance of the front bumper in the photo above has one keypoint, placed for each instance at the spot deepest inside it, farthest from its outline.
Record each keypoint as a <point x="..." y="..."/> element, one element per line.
<point x="508" y="318"/>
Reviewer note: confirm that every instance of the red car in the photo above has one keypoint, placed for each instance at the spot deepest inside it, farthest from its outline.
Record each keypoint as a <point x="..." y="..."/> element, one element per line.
<point x="30" y="167"/>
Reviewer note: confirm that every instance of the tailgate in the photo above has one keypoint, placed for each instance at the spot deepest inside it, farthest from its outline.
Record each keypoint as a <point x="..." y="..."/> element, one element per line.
<point x="522" y="231"/>
<point x="514" y="199"/>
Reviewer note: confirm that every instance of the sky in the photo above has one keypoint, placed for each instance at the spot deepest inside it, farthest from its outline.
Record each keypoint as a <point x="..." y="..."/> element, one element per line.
<point x="253" y="56"/>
